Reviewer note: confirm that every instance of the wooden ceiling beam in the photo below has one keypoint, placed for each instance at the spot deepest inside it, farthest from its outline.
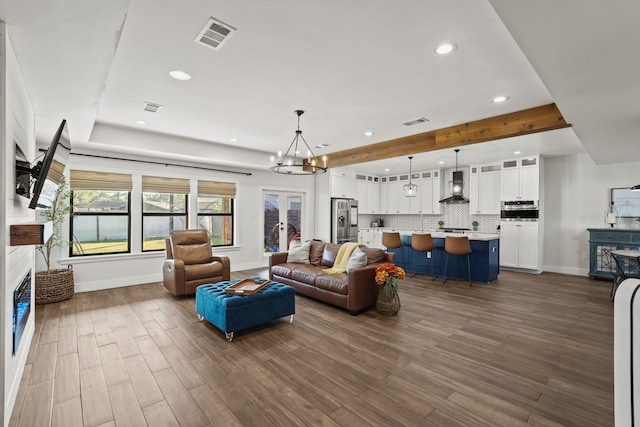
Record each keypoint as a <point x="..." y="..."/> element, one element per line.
<point x="532" y="120"/>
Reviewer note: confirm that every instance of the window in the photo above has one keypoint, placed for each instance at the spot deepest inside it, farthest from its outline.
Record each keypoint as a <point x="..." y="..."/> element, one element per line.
<point x="215" y="211"/>
<point x="101" y="220"/>
<point x="164" y="209"/>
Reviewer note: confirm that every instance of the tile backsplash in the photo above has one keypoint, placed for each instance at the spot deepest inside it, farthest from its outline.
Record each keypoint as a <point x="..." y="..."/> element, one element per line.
<point x="455" y="216"/>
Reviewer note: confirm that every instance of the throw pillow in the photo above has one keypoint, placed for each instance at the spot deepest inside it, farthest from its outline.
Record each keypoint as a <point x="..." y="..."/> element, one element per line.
<point x="356" y="260"/>
<point x="300" y="254"/>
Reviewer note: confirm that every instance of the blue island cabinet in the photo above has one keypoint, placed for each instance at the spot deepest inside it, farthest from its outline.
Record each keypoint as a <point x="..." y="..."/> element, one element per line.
<point x="484" y="260"/>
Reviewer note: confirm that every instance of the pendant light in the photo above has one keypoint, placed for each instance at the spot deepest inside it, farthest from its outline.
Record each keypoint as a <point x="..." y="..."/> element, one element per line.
<point x="635" y="188"/>
<point x="298" y="165"/>
<point x="410" y="189"/>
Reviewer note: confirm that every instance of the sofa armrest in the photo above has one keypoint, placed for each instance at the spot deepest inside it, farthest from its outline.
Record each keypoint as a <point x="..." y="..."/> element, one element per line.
<point x="173" y="276"/>
<point x="226" y="266"/>
<point x="362" y="288"/>
<point x="276" y="258"/>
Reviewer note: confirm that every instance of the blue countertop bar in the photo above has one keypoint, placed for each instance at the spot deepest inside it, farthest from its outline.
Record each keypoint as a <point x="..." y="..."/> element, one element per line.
<point x="484" y="260"/>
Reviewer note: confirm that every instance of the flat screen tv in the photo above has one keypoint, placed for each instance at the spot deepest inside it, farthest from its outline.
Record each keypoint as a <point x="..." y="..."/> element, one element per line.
<point x="48" y="172"/>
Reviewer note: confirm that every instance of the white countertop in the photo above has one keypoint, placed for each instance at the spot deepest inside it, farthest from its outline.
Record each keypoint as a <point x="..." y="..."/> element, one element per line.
<point x="473" y="235"/>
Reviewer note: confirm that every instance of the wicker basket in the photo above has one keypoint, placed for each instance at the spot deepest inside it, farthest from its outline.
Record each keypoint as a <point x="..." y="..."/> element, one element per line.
<point x="388" y="306"/>
<point x="54" y="285"/>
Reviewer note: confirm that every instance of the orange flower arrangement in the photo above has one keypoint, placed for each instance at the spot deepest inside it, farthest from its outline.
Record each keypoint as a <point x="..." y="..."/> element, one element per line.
<point x="387" y="275"/>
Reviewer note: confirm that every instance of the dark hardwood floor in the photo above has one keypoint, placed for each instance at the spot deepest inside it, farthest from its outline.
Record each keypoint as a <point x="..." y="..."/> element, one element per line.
<point x="524" y="350"/>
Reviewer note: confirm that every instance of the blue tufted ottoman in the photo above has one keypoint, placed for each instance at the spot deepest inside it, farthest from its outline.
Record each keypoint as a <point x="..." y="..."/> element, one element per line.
<point x="232" y="313"/>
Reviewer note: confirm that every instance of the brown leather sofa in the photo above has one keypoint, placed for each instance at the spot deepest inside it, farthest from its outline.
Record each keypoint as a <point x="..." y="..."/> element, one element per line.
<point x="354" y="291"/>
<point x="190" y="262"/>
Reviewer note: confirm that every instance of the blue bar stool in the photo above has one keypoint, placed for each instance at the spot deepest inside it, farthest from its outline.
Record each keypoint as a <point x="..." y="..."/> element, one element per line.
<point x="457" y="246"/>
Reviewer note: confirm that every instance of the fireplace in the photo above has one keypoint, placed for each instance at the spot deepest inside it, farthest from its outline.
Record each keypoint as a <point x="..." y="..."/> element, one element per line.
<point x="21" y="309"/>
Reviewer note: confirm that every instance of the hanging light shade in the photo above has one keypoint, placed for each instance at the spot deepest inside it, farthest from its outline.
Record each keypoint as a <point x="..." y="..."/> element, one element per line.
<point x="292" y="162"/>
<point x="410" y="189"/>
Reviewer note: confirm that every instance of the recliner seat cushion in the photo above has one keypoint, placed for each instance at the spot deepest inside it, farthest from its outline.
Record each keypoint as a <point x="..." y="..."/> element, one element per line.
<point x="202" y="271"/>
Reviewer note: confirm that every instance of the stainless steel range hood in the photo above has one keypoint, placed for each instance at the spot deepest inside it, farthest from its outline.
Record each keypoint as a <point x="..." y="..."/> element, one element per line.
<point x="456" y="196"/>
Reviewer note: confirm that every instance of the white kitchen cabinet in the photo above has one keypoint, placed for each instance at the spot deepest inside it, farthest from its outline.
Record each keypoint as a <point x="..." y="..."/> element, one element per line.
<point x="521" y="179"/>
<point x="429" y="194"/>
<point x="396" y="202"/>
<point x="373" y="194"/>
<point x="343" y="183"/>
<point x="384" y="195"/>
<point x="368" y="194"/>
<point x="415" y="203"/>
<point x="361" y="194"/>
<point x="376" y="239"/>
<point x="485" y="189"/>
<point x="519" y="245"/>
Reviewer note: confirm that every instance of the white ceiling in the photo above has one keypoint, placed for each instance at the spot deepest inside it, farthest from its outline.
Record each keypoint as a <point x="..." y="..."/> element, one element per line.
<point x="353" y="66"/>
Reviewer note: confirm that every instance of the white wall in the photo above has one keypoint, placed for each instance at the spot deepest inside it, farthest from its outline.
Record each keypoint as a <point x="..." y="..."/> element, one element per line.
<point x="100" y="272"/>
<point x="17" y="126"/>
<point x="577" y="197"/>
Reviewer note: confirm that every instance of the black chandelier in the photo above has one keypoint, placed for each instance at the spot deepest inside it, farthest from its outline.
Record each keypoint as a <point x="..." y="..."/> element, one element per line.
<point x="291" y="162"/>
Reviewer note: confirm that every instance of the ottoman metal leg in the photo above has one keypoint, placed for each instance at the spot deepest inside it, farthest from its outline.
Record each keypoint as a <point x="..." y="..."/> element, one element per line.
<point x="291" y="319"/>
<point x="200" y="318"/>
<point x="229" y="336"/>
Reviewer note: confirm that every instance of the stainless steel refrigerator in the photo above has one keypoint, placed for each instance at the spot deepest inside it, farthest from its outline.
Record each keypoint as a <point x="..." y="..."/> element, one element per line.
<point x="344" y="220"/>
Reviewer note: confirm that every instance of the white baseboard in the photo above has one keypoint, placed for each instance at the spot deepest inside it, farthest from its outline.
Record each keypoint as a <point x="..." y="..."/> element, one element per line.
<point x="566" y="270"/>
<point x="117" y="282"/>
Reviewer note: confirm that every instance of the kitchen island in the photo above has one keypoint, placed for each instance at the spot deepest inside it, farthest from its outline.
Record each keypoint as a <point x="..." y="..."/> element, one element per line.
<point x="484" y="260"/>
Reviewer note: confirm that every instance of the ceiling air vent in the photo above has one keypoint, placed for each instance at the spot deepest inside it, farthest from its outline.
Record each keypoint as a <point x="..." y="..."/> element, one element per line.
<point x="214" y="34"/>
<point x="416" y="121"/>
<point x="151" y="107"/>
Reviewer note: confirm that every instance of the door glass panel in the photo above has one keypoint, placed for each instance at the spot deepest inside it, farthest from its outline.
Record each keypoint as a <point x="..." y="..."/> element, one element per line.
<point x="294" y="221"/>
<point x="271" y="209"/>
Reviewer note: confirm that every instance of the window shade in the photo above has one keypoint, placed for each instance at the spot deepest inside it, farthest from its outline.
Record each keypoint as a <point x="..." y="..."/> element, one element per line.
<point x="55" y="171"/>
<point x="156" y="184"/>
<point x="214" y="188"/>
<point x="89" y="180"/>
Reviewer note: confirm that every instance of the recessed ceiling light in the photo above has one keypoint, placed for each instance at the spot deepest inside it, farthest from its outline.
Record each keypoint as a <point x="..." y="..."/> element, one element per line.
<point x="500" y="98"/>
<point x="141" y="122"/>
<point x="517" y="152"/>
<point x="179" y="75"/>
<point x="441" y="162"/>
<point x="321" y="146"/>
<point x="445" y="48"/>
<point x="386" y="169"/>
<point x="369" y="133"/>
<point x="234" y="140"/>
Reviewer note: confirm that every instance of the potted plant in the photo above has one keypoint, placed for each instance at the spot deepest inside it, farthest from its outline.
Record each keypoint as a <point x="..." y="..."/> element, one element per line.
<point x="474" y="225"/>
<point x="387" y="276"/>
<point x="440" y="224"/>
<point x="53" y="285"/>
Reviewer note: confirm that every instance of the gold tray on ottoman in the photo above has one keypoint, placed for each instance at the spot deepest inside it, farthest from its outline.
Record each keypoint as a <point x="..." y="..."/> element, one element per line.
<point x="247" y="286"/>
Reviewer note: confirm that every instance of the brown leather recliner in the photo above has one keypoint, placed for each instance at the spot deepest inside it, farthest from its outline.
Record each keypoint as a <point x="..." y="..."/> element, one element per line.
<point x="190" y="262"/>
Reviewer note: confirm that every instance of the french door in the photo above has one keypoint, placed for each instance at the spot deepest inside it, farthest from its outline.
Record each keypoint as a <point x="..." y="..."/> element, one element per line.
<point x="282" y="219"/>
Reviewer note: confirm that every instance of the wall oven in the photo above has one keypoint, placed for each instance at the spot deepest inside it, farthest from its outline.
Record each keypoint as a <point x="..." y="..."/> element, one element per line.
<point x="519" y="210"/>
